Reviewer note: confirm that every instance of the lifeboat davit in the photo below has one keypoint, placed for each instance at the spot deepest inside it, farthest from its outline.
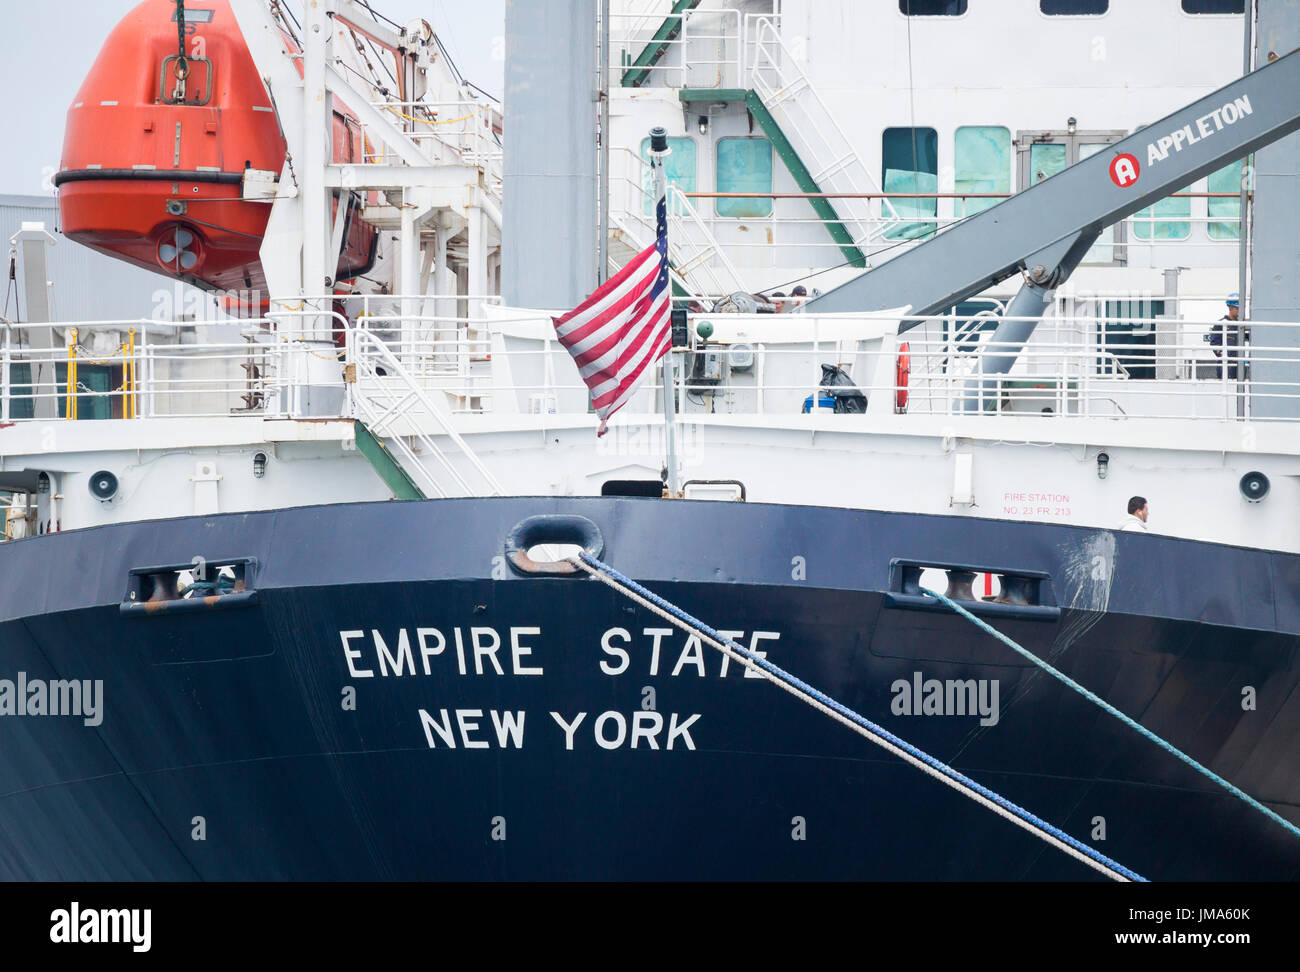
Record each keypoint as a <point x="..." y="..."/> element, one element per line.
<point x="156" y="149"/>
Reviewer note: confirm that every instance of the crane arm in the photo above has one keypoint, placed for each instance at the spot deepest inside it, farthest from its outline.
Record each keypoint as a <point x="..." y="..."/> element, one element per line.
<point x="1080" y="201"/>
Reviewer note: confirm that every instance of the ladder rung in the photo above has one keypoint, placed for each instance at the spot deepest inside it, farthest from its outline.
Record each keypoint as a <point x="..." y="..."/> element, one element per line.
<point x="785" y="93"/>
<point x="843" y="162"/>
<point x="686" y="268"/>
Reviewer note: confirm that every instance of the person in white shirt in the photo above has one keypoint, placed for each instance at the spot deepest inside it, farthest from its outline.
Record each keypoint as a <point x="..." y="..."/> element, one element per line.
<point x="1137" y="515"/>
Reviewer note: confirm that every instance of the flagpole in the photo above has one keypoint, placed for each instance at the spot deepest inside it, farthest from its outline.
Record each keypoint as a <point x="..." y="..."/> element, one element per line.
<point x="659" y="150"/>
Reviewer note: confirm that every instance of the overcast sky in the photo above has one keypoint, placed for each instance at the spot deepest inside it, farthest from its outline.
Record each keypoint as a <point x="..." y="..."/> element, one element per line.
<point x="46" y="48"/>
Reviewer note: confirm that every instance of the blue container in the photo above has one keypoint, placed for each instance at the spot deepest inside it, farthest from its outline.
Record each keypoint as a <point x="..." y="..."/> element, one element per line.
<point x="824" y="401"/>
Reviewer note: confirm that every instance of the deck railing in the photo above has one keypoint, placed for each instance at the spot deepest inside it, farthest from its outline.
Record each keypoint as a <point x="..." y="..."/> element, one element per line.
<point x="509" y="363"/>
<point x="717" y="29"/>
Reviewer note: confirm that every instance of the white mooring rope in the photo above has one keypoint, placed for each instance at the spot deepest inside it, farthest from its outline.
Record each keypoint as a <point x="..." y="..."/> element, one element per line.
<point x="910" y="754"/>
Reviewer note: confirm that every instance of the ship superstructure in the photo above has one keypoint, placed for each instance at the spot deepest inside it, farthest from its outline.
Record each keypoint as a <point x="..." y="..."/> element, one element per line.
<point x="838" y="453"/>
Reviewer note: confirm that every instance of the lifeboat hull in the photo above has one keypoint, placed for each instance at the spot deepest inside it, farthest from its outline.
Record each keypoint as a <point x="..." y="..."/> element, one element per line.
<point x="155" y="154"/>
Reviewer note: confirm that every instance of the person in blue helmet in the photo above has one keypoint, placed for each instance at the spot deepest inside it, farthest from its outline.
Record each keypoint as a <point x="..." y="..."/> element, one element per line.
<point x="1229" y="333"/>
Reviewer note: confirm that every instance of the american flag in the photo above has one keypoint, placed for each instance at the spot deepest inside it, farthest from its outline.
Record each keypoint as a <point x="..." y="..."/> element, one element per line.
<point x="622" y="328"/>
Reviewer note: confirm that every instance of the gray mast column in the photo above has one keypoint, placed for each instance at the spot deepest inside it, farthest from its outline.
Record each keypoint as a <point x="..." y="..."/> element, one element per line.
<point x="32" y="241"/>
<point x="1275" y="240"/>
<point x="549" y="247"/>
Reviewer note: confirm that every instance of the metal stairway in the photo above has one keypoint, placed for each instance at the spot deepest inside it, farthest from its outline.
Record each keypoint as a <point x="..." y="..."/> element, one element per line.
<point x="800" y="126"/>
<point x="397" y="420"/>
<point x="638" y="72"/>
<point x="697" y="261"/>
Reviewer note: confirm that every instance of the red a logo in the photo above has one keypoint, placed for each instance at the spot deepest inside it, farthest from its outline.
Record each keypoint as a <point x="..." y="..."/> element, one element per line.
<point x="1124" y="170"/>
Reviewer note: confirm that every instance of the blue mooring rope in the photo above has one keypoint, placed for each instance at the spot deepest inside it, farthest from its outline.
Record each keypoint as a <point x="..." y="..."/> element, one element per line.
<point x="879" y="731"/>
<point x="1131" y="723"/>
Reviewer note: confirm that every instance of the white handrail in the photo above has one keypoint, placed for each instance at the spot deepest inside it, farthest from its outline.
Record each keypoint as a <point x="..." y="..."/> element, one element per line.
<point x="789" y="95"/>
<point x="363" y="348"/>
<point x="494" y="363"/>
<point x="697" y="256"/>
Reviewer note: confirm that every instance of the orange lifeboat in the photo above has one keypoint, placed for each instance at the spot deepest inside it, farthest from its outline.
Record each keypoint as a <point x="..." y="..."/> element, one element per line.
<point x="157" y="145"/>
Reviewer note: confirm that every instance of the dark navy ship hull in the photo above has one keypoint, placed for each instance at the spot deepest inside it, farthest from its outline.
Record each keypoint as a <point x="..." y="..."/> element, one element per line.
<point x="280" y="735"/>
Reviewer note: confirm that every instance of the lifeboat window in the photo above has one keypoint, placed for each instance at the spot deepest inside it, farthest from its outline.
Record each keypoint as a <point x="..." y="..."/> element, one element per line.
<point x="190" y="84"/>
<point x="193" y="16"/>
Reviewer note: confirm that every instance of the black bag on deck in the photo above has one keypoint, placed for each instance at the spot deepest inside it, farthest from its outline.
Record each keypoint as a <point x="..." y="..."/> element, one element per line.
<point x="848" y="397"/>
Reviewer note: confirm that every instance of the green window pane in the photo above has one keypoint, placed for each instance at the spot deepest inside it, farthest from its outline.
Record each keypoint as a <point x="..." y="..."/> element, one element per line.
<point x="1166" y="220"/>
<point x="679" y="168"/>
<point x="21" y="405"/>
<point x="910" y="164"/>
<point x="1045" y="160"/>
<point x="1128" y="338"/>
<point x="90" y="379"/>
<point x="745" y="165"/>
<point x="981" y="157"/>
<point x="1227" y="179"/>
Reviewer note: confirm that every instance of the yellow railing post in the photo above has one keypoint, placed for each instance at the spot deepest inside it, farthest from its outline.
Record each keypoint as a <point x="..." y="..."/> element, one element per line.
<point x="71" y="409"/>
<point x="128" y="376"/>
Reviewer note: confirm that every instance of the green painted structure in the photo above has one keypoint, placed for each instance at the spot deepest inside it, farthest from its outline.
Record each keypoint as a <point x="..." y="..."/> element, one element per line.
<point x="638" y="72"/>
<point x="785" y="151"/>
<point x="381" y="460"/>
<point x="804" y="179"/>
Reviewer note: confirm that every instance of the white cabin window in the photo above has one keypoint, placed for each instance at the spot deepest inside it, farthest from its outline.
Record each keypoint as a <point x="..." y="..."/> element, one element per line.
<point x="932" y="8"/>
<point x="745" y="165"/>
<point x="1041" y="155"/>
<point x="1045" y="160"/>
<point x="1214" y="6"/>
<point x="679" y="168"/>
<point x="1168" y="219"/>
<point x="909" y="160"/>
<point x="981" y="158"/>
<point x="1074" y="8"/>
<point x="1227" y="179"/>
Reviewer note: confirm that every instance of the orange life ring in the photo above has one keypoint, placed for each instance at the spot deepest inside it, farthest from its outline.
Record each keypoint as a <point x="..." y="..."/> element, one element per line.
<point x="901" y="373"/>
